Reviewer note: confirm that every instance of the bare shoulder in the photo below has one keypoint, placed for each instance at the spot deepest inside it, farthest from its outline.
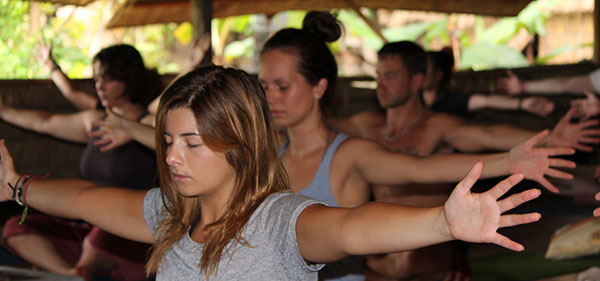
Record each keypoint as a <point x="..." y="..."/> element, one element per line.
<point x="443" y="120"/>
<point x="359" y="124"/>
<point x="354" y="147"/>
<point x="368" y="117"/>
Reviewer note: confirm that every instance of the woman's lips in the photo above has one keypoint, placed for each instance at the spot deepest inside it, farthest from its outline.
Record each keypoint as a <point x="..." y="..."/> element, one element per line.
<point x="276" y="113"/>
<point x="179" y="177"/>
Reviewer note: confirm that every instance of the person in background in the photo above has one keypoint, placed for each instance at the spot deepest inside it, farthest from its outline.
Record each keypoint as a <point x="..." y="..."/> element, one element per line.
<point x="437" y="95"/>
<point x="85" y="101"/>
<point x="124" y="86"/>
<point x="224" y="211"/>
<point x="407" y="126"/>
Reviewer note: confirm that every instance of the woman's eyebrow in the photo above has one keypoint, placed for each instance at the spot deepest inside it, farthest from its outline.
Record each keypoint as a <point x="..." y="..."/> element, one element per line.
<point x="189" y="134"/>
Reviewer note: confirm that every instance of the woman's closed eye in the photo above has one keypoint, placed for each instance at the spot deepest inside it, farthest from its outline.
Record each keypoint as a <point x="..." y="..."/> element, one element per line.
<point x="194" y="145"/>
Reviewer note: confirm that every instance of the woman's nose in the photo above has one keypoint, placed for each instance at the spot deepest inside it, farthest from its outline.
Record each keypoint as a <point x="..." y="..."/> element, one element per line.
<point x="174" y="157"/>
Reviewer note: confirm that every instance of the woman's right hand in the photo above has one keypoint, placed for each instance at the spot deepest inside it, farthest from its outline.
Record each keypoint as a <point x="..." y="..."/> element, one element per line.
<point x="7" y="173"/>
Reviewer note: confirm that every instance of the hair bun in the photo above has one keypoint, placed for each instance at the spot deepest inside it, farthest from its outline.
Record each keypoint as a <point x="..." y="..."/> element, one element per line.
<point x="323" y="24"/>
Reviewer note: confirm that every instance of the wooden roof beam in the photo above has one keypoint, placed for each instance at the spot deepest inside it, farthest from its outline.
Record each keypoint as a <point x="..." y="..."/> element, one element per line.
<point x="373" y="25"/>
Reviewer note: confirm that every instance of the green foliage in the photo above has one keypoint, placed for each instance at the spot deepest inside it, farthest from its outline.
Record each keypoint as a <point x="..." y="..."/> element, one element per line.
<point x="153" y="42"/>
<point x="494" y="39"/>
<point x="184" y="33"/>
<point x="439" y="30"/>
<point x="241" y="24"/>
<point x="501" y="32"/>
<point x="238" y="49"/>
<point x="295" y="18"/>
<point x="356" y="27"/>
<point x="562" y="49"/>
<point x="487" y="56"/>
<point x="18" y="47"/>
<point x="15" y="50"/>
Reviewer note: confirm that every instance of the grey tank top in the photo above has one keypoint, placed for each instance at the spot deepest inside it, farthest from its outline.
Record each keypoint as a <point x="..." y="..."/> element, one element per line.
<point x="350" y="268"/>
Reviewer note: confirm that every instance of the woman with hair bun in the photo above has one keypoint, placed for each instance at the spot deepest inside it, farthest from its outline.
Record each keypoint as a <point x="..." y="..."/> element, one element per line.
<point x="298" y="73"/>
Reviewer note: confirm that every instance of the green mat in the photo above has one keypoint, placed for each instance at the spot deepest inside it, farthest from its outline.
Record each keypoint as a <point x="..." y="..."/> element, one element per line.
<point x="526" y="266"/>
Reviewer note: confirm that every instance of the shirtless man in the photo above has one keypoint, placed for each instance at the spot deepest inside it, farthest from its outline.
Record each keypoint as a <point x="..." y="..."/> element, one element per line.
<point x="408" y="127"/>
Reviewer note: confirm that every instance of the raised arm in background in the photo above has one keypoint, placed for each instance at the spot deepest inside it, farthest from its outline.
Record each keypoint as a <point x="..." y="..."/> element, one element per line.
<point x="80" y="99"/>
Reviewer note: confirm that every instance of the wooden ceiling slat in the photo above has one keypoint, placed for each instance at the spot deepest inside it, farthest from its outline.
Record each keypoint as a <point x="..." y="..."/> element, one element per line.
<point x="143" y="12"/>
<point x="71" y="2"/>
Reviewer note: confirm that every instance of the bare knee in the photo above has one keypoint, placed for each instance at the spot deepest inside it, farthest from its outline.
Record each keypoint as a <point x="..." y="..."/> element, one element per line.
<point x="22" y="241"/>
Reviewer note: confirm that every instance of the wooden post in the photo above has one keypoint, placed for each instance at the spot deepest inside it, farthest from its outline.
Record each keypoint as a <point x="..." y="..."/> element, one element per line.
<point x="596" y="57"/>
<point x="202" y="14"/>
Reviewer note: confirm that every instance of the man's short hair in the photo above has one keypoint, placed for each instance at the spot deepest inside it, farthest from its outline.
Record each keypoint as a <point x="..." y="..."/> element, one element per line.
<point x="412" y="55"/>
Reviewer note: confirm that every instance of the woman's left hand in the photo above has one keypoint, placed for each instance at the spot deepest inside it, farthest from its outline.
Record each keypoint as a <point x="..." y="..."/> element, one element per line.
<point x="111" y="132"/>
<point x="476" y="217"/>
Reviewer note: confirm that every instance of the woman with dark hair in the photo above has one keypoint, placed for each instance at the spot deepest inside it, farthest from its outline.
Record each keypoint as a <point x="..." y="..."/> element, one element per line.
<point x="125" y="86"/>
<point x="224" y="210"/>
<point x="298" y="72"/>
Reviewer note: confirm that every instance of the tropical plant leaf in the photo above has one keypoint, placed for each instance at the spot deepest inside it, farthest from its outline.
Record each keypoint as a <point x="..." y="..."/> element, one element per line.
<point x="500" y="32"/>
<point x="487" y="56"/>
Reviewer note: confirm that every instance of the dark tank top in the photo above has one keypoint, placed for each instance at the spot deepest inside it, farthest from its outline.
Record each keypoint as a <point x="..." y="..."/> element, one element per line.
<point x="131" y="165"/>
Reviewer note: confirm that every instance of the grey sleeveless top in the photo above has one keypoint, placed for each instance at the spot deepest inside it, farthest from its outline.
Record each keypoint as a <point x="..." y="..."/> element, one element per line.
<point x="348" y="269"/>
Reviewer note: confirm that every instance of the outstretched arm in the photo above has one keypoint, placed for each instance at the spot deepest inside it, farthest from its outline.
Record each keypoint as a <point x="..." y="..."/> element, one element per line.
<point x="71" y="127"/>
<point x="327" y="234"/>
<point x="380" y="166"/>
<point x="512" y="85"/>
<point x="117" y="210"/>
<point x="80" y="99"/>
<point x="534" y="105"/>
<point x="475" y="137"/>
<point x="468" y="137"/>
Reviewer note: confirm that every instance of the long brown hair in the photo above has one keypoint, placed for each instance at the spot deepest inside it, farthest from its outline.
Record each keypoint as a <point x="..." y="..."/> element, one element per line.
<point x="232" y="116"/>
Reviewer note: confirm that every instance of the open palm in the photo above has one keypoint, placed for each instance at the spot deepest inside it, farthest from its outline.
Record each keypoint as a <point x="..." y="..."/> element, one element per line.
<point x="576" y="135"/>
<point x="476" y="217"/>
<point x="535" y="162"/>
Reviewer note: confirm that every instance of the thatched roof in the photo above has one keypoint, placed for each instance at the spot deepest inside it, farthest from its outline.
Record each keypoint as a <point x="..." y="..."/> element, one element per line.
<point x="72" y="2"/>
<point x="142" y="12"/>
